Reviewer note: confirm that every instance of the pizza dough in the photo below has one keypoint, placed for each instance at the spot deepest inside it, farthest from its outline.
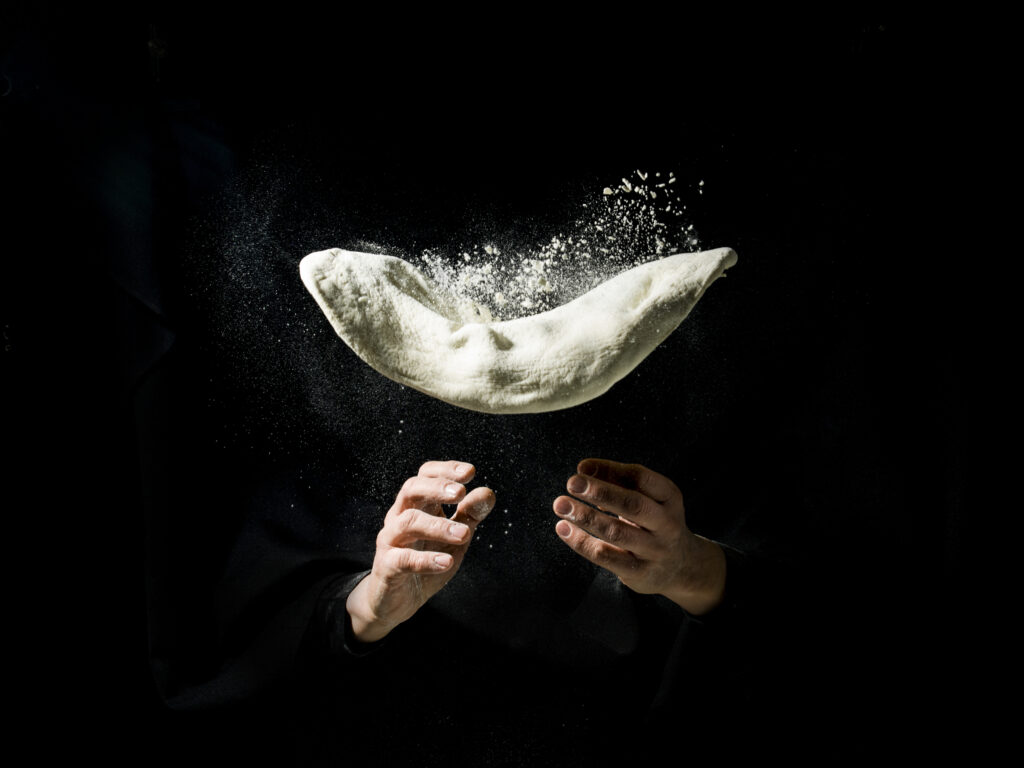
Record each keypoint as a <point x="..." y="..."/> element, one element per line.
<point x="403" y="326"/>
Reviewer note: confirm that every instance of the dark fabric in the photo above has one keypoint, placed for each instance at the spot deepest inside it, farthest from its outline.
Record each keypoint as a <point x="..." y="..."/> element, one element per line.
<point x="332" y="626"/>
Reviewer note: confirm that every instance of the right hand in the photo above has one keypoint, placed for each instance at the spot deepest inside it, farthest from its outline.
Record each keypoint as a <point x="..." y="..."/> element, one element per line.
<point x="405" y="574"/>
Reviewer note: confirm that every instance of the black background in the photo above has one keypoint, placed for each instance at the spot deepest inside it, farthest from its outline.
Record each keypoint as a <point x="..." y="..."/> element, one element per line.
<point x="815" y="141"/>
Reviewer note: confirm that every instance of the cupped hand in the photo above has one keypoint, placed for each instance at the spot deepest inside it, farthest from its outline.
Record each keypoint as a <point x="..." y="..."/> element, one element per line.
<point x="632" y="522"/>
<point x="419" y="549"/>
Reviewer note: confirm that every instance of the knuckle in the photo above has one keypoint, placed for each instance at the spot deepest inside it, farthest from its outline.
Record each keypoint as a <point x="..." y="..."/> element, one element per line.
<point x="581" y="514"/>
<point x="403" y="560"/>
<point x="407" y="522"/>
<point x="632" y="503"/>
<point x="601" y="552"/>
<point x="611" y="534"/>
<point x="386" y="565"/>
<point x="614" y="533"/>
<point x="599" y="494"/>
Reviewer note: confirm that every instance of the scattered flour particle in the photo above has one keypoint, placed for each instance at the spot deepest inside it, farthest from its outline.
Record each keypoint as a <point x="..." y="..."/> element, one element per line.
<point x="613" y="231"/>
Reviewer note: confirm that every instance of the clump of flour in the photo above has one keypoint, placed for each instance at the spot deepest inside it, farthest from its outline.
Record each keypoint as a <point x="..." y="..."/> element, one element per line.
<point x="639" y="219"/>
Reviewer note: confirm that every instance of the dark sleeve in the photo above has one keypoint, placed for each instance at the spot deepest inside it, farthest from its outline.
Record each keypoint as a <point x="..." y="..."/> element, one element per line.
<point x="238" y="552"/>
<point x="714" y="676"/>
<point x="246" y="568"/>
<point x="741" y="571"/>
<point x="331" y="629"/>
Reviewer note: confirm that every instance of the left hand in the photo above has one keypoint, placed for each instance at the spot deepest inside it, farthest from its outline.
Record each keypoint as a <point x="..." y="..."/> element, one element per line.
<point x="638" y="532"/>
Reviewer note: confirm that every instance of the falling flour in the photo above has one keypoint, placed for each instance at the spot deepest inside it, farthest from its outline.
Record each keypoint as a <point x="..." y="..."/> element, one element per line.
<point x="640" y="219"/>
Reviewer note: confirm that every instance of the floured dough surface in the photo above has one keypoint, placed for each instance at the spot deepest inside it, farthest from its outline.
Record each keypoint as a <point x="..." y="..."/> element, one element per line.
<point x="403" y="326"/>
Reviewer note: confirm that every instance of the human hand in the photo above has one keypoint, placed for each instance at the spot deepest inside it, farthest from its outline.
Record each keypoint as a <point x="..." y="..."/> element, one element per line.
<point x="405" y="574"/>
<point x="638" y="532"/>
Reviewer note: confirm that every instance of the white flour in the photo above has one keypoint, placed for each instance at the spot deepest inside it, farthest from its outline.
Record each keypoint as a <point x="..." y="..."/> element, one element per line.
<point x="640" y="219"/>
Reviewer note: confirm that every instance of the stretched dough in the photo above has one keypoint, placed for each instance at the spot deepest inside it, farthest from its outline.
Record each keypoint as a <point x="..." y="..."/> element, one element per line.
<point x="402" y="325"/>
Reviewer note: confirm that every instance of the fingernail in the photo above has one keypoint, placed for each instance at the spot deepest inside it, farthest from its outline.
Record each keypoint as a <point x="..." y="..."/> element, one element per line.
<point x="576" y="484"/>
<point x="587" y="468"/>
<point x="462" y="469"/>
<point x="458" y="530"/>
<point x="451" y="490"/>
<point x="563" y="529"/>
<point x="442" y="561"/>
<point x="563" y="507"/>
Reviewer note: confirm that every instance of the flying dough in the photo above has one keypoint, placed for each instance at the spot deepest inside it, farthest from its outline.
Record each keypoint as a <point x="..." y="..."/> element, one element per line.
<point x="402" y="325"/>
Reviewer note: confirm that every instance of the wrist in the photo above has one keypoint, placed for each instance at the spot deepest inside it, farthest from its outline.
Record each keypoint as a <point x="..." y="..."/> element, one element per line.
<point x="700" y="585"/>
<point x="367" y="627"/>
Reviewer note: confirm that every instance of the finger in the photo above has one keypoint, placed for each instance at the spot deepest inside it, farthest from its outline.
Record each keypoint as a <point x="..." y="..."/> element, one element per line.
<point x="415" y="525"/>
<point x="398" y="561"/>
<point x="477" y="504"/>
<point x="631" y="505"/>
<point x="622" y="533"/>
<point x="428" y="493"/>
<point x="632" y="476"/>
<point x="459" y="471"/>
<point x="608" y="556"/>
